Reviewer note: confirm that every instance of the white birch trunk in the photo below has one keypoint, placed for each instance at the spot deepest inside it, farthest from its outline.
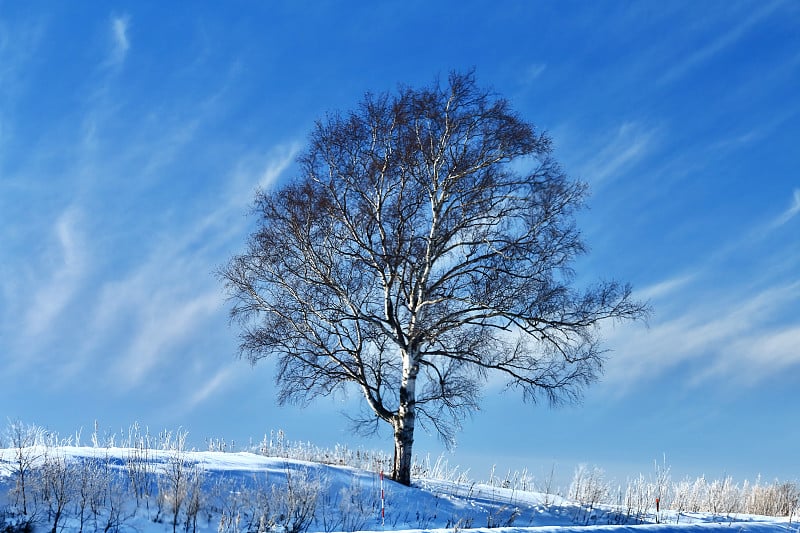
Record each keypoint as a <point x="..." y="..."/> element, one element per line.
<point x="404" y="423"/>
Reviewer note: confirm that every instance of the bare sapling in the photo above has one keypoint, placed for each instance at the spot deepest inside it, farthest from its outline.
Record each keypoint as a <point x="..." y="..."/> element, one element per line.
<point x="173" y="483"/>
<point x="140" y="464"/>
<point x="58" y="480"/>
<point x="90" y="485"/>
<point x="195" y="498"/>
<point x="588" y="489"/>
<point x="546" y="487"/>
<point x="680" y="502"/>
<point x="298" y="503"/>
<point x="231" y="501"/>
<point x="27" y="441"/>
<point x="355" y="507"/>
<point x="662" y="484"/>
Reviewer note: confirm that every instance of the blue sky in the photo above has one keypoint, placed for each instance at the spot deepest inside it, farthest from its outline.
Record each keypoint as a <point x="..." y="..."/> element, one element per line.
<point x="132" y="138"/>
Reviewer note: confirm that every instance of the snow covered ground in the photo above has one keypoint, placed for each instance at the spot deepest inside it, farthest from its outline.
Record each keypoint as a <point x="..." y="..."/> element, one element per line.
<point x="153" y="491"/>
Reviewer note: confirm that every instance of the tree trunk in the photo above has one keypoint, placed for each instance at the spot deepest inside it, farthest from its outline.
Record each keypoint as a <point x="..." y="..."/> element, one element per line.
<point x="403" y="443"/>
<point x="404" y="424"/>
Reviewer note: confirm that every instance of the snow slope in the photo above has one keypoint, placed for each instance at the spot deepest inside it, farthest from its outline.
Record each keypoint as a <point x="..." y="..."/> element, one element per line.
<point x="235" y="488"/>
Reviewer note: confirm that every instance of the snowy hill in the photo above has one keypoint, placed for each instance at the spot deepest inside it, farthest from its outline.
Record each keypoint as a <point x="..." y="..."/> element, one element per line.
<point x="67" y="488"/>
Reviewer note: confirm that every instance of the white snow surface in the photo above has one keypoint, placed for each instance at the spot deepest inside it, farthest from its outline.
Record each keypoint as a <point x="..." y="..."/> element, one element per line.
<point x="350" y="496"/>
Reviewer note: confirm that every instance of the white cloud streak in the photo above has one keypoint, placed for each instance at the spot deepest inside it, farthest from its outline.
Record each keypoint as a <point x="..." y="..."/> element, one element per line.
<point x="742" y="339"/>
<point x="630" y="143"/>
<point x="166" y="303"/>
<point x="120" y="42"/>
<point x="209" y="388"/>
<point x="719" y="44"/>
<point x="162" y="324"/>
<point x="790" y="213"/>
<point x="760" y="356"/>
<point x="153" y="293"/>
<point x="664" y="288"/>
<point x="533" y="72"/>
<point x="743" y="334"/>
<point x="67" y="265"/>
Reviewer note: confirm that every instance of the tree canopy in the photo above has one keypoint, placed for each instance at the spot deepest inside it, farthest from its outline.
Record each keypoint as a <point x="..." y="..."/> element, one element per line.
<point x="425" y="244"/>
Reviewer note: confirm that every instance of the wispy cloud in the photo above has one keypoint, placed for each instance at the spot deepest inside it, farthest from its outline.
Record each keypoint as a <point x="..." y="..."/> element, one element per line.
<point x="750" y="238"/>
<point x="158" y="223"/>
<point x="754" y="358"/>
<point x="735" y="339"/>
<point x="154" y="313"/>
<point x="790" y="213"/>
<point x="665" y="287"/>
<point x="629" y="144"/>
<point x="725" y="40"/>
<point x="120" y="43"/>
<point x="165" y="303"/>
<point x="266" y="168"/>
<point x="742" y="334"/>
<point x="207" y="389"/>
<point x="753" y="133"/>
<point x="282" y="158"/>
<point x="66" y="265"/>
<point x="161" y="325"/>
<point x="532" y="72"/>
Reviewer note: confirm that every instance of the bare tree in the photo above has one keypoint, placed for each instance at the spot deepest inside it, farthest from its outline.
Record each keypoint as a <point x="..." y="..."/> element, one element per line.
<point x="29" y="451"/>
<point x="91" y="484"/>
<point x="426" y="243"/>
<point x="59" y="476"/>
<point x="178" y="478"/>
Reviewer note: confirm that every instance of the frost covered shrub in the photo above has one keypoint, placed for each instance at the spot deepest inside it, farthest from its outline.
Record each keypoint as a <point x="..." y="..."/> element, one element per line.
<point x="179" y="484"/>
<point x="12" y="522"/>
<point x="255" y="506"/>
<point x="58" y="484"/>
<point x="723" y="497"/>
<point x="588" y="489"/>
<point x="295" y="506"/>
<point x="348" y="509"/>
<point x="92" y="481"/>
<point x="232" y="502"/>
<point x="277" y="445"/>
<point x="776" y="499"/>
<point x="27" y="443"/>
<point x="638" y="496"/>
<point x="440" y="470"/>
<point x="139" y="464"/>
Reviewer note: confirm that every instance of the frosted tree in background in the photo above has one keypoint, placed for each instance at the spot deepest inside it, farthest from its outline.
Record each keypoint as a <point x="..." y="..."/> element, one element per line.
<point x="425" y="244"/>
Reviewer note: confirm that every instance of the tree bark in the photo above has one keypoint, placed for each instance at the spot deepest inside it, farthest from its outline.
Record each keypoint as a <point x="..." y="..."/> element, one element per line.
<point x="403" y="444"/>
<point x="404" y="424"/>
